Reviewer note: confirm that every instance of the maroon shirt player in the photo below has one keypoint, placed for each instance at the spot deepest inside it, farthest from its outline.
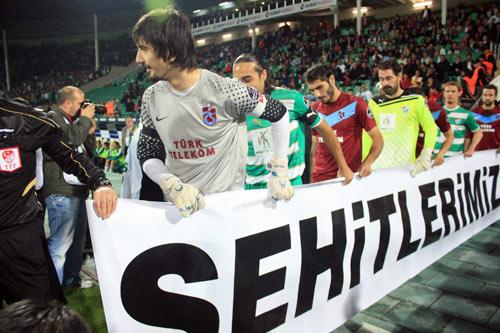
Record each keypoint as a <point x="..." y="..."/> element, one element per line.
<point x="348" y="116"/>
<point x="488" y="117"/>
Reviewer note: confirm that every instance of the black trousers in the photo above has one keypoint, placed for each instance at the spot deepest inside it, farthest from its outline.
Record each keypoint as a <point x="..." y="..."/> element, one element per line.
<point x="26" y="269"/>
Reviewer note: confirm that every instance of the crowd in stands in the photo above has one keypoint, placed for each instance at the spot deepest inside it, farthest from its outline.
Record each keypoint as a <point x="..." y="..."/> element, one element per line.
<point x="34" y="19"/>
<point x="430" y="53"/>
<point x="37" y="72"/>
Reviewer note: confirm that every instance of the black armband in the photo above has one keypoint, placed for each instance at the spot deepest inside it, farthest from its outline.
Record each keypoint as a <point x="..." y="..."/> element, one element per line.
<point x="309" y="118"/>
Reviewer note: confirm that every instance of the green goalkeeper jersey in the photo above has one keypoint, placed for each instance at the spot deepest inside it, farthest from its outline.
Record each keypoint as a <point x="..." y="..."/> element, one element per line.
<point x="399" y="121"/>
<point x="260" y="141"/>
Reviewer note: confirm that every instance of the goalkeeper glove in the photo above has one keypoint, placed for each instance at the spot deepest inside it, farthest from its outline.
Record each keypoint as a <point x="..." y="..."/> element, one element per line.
<point x="279" y="187"/>
<point x="423" y="162"/>
<point x="187" y="198"/>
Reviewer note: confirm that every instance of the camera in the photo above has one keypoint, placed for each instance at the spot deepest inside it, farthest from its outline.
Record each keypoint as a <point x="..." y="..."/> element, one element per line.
<point x="99" y="108"/>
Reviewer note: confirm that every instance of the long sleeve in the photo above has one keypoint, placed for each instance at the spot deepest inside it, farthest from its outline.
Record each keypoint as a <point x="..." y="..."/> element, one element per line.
<point x="73" y="162"/>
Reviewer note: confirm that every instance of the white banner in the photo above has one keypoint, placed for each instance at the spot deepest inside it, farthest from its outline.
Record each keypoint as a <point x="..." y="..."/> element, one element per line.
<point x="306" y="266"/>
<point x="288" y="9"/>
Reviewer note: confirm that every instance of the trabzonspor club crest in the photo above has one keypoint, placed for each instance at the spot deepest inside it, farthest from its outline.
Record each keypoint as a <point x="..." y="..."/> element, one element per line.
<point x="209" y="115"/>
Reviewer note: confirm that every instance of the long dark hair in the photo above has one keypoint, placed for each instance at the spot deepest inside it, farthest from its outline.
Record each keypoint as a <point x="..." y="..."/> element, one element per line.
<point x="259" y="68"/>
<point x="169" y="33"/>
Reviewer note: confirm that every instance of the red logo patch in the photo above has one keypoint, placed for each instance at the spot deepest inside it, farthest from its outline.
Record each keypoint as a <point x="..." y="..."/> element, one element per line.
<point x="10" y="159"/>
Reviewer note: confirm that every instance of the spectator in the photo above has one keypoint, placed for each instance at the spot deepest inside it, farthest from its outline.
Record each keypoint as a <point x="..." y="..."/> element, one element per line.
<point x="476" y="80"/>
<point x="426" y="14"/>
<point x="116" y="160"/>
<point x="417" y="80"/>
<point x="110" y="108"/>
<point x="443" y="67"/>
<point x="118" y="107"/>
<point x="104" y="153"/>
<point x="495" y="19"/>
<point x="405" y="81"/>
<point x="129" y="105"/>
<point x="99" y="148"/>
<point x="457" y="67"/>
<point x="365" y="93"/>
<point x="364" y="71"/>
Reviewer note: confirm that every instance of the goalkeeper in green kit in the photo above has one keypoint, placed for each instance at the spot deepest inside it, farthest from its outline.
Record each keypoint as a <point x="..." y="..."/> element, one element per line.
<point x="248" y="69"/>
<point x="399" y="115"/>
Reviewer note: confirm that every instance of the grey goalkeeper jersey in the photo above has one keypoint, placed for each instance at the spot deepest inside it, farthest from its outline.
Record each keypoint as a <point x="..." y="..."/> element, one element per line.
<point x="202" y="131"/>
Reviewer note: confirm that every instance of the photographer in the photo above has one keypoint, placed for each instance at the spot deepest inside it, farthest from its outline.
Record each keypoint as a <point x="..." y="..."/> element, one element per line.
<point x="64" y="195"/>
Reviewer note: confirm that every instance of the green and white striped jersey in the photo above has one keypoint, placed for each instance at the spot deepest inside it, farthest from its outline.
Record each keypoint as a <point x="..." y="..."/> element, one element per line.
<point x="260" y="141"/>
<point x="461" y="121"/>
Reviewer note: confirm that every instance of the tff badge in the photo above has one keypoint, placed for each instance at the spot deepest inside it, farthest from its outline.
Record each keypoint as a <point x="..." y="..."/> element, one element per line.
<point x="10" y="159"/>
<point x="209" y="115"/>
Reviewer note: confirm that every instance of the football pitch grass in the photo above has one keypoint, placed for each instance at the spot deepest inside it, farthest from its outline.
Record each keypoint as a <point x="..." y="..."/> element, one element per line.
<point x="87" y="303"/>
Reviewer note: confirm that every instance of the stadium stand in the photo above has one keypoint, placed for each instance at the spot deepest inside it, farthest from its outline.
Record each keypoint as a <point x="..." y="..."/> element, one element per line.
<point x="442" y="53"/>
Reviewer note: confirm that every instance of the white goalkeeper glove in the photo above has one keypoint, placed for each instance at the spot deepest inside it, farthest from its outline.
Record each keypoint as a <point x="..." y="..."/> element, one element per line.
<point x="279" y="187"/>
<point x="187" y="198"/>
<point x="423" y="162"/>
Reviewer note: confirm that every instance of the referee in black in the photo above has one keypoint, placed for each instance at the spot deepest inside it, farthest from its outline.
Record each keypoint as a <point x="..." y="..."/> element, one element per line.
<point x="26" y="269"/>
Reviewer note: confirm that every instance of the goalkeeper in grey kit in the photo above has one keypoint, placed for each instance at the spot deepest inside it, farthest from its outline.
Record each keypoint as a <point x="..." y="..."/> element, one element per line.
<point x="195" y="119"/>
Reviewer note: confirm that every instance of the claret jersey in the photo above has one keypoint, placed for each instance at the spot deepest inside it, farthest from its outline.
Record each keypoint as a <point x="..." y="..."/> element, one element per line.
<point x="347" y="116"/>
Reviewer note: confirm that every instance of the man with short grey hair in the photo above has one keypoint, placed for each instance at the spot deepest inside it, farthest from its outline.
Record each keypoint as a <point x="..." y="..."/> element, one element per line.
<point x="64" y="195"/>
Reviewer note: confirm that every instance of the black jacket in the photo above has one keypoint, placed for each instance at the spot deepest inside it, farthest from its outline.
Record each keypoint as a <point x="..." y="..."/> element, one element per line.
<point x="22" y="131"/>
